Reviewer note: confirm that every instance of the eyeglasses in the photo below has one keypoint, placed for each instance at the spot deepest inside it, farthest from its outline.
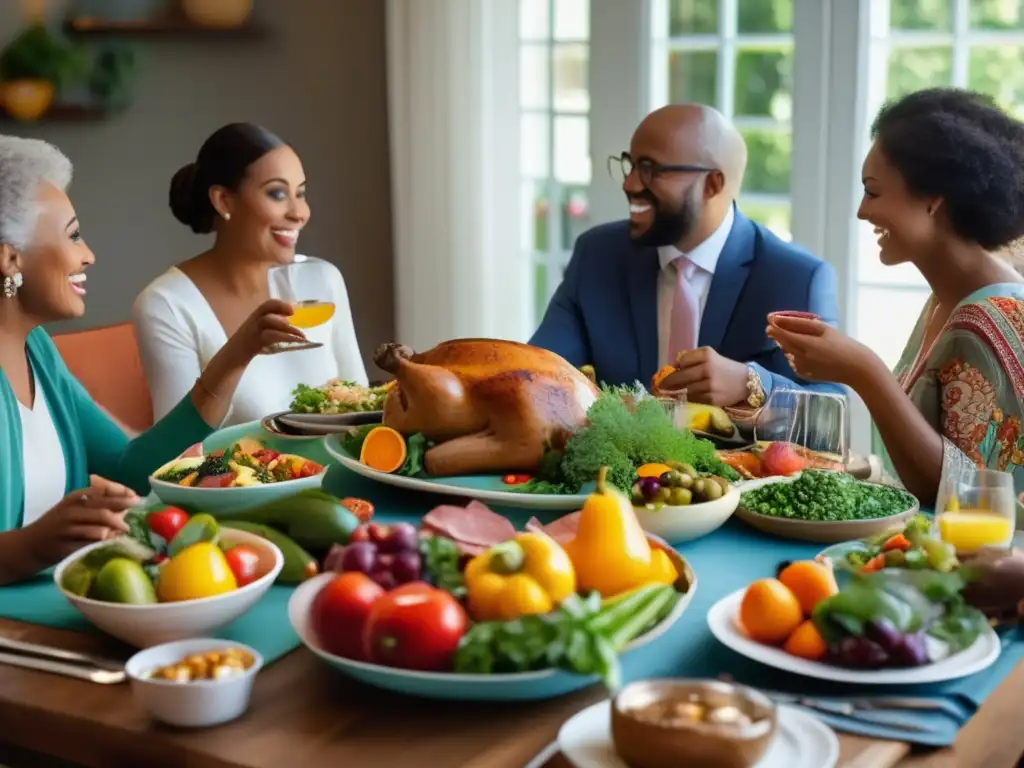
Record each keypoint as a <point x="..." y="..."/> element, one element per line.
<point x="622" y="166"/>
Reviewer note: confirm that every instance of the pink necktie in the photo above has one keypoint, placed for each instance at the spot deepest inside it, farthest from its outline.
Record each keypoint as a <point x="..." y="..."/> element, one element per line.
<point x="685" y="311"/>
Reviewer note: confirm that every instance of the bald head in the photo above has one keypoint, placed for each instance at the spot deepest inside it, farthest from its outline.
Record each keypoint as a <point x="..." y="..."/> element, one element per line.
<point x="698" y="134"/>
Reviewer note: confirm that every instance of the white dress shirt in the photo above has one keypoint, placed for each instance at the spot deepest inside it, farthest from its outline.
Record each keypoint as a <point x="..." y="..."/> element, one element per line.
<point x="705" y="258"/>
<point x="42" y="459"/>
<point x="179" y="333"/>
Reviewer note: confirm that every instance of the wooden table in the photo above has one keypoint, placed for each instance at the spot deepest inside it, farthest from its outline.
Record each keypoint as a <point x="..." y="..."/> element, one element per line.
<point x="303" y="714"/>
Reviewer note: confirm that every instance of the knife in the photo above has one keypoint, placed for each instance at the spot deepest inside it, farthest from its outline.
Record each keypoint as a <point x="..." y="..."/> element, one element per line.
<point x="79" y="671"/>
<point x="59" y="654"/>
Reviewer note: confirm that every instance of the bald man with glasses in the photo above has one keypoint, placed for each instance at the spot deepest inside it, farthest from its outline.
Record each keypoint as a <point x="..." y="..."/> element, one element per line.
<point x="687" y="280"/>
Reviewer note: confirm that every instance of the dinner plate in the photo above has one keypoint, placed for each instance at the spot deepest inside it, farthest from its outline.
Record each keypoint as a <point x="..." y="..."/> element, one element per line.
<point x="326" y="423"/>
<point x="723" y="623"/>
<point x="525" y="686"/>
<point x="800" y="741"/>
<point x="485" y="488"/>
<point x="823" y="532"/>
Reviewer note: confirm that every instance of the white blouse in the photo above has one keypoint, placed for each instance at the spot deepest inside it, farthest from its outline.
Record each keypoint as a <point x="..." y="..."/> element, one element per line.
<point x="42" y="459"/>
<point x="178" y="334"/>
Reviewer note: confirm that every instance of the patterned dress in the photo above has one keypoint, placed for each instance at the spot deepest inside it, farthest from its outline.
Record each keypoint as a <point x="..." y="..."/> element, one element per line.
<point x="970" y="384"/>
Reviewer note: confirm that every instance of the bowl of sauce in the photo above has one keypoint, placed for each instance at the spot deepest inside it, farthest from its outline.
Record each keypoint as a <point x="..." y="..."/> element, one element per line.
<point x="666" y="723"/>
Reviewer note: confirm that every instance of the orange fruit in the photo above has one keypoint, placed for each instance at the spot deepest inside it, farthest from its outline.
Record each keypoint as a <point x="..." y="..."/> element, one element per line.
<point x="383" y="449"/>
<point x="653" y="470"/>
<point x="806" y="642"/>
<point x="810" y="581"/>
<point x="770" y="611"/>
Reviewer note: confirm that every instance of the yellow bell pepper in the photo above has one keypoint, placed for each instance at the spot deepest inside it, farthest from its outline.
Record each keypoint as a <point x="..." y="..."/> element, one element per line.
<point x="610" y="552"/>
<point x="525" y="575"/>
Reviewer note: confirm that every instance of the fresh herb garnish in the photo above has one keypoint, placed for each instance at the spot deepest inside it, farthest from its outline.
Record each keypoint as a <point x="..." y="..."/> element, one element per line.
<point x="821" y="495"/>
<point x="441" y="558"/>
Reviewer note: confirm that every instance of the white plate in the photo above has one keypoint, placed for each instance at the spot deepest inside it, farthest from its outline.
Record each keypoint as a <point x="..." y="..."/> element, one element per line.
<point x="484" y="488"/>
<point x="801" y="741"/>
<point x="722" y="621"/>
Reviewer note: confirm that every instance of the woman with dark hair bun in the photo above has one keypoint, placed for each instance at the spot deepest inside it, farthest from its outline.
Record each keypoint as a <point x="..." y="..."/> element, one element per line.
<point x="248" y="188"/>
<point x="944" y="189"/>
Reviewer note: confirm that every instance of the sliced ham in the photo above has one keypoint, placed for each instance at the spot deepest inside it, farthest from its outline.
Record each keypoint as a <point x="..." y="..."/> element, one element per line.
<point x="475" y="528"/>
<point x="561" y="530"/>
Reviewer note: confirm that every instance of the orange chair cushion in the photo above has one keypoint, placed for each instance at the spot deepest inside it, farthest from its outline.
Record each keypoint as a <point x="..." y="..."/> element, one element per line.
<point x="106" y="362"/>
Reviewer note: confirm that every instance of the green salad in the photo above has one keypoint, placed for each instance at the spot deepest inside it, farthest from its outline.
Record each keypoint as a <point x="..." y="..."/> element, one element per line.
<point x="338" y="397"/>
<point x="821" y="495"/>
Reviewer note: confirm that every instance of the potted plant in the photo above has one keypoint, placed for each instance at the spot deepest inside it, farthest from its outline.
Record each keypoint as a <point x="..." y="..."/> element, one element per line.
<point x="35" y="66"/>
<point x="113" y="73"/>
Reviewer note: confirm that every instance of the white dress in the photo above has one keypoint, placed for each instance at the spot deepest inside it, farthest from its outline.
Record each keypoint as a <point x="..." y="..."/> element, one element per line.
<point x="178" y="334"/>
<point x="42" y="458"/>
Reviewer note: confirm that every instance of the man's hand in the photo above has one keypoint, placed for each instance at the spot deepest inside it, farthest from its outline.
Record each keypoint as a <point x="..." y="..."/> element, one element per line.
<point x="709" y="378"/>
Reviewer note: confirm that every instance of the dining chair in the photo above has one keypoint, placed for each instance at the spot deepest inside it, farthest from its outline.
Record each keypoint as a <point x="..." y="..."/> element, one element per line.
<point x="106" y="361"/>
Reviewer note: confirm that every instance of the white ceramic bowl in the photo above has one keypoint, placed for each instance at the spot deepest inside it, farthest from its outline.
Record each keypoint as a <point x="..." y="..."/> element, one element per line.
<point x="679" y="524"/>
<point x="195" y="704"/>
<point x="143" y="626"/>
<point x="214" y="500"/>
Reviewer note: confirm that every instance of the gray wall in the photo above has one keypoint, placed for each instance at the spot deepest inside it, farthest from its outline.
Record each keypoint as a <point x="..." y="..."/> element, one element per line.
<point x="319" y="81"/>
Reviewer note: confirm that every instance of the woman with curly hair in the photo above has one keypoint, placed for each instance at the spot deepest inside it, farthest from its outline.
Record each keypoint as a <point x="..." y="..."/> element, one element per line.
<point x="944" y="189"/>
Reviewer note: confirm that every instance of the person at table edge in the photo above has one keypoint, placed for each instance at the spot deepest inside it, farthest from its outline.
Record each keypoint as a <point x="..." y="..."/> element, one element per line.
<point x="687" y="279"/>
<point x="944" y="189"/>
<point x="67" y="471"/>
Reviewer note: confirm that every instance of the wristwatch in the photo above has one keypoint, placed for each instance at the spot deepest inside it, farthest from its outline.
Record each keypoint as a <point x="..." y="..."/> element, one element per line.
<point x="755" y="388"/>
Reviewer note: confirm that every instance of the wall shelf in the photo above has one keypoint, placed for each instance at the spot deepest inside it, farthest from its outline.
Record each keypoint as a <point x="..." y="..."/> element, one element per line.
<point x="159" y="28"/>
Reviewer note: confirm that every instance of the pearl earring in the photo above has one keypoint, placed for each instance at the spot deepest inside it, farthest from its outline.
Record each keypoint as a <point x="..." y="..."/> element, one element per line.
<point x="227" y="216"/>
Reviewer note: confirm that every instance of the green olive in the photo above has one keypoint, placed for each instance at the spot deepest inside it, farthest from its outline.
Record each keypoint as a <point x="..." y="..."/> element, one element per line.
<point x="722" y="483"/>
<point x="680" y="497"/>
<point x="672" y="478"/>
<point x="712" y="490"/>
<point x="662" y="495"/>
<point x="685" y="480"/>
<point x="638" y="497"/>
<point x="687" y="469"/>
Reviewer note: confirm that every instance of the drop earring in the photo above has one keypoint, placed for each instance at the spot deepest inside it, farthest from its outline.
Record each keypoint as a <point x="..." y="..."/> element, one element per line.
<point x="12" y="284"/>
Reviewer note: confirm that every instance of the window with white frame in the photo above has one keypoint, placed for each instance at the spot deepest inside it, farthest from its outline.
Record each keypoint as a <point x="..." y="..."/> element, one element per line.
<point x="915" y="44"/>
<point x="554" y="104"/>
<point x="736" y="55"/>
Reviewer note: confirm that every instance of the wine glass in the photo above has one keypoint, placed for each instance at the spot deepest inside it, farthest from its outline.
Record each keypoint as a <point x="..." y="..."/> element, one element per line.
<point x="807" y="421"/>
<point x="306" y="285"/>
<point x="976" y="508"/>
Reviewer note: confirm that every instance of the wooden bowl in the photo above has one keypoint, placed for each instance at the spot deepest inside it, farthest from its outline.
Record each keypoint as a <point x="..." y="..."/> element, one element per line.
<point x="643" y="744"/>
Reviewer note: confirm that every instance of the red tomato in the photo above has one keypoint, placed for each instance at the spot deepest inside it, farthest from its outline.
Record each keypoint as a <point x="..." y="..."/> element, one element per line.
<point x="265" y="456"/>
<point x="310" y="468"/>
<point x="166" y="522"/>
<point x="515" y="479"/>
<point x="362" y="533"/>
<point x="415" y="626"/>
<point x="244" y="562"/>
<point x="362" y="509"/>
<point x="340" y="611"/>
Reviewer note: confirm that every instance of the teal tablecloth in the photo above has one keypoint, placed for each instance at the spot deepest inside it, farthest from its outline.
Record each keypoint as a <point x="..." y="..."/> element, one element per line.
<point x="724" y="561"/>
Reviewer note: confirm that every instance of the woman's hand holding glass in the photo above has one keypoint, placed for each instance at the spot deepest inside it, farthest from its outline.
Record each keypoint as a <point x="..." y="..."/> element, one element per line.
<point x="817" y="351"/>
<point x="82" y="517"/>
<point x="266" y="327"/>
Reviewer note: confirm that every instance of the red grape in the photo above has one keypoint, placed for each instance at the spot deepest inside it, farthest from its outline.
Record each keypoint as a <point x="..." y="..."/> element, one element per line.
<point x="361" y="556"/>
<point x="406" y="567"/>
<point x="383" y="577"/>
<point x="404" y="536"/>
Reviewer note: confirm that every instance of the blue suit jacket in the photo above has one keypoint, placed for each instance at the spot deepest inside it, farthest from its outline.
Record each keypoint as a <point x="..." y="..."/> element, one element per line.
<point x="605" y="312"/>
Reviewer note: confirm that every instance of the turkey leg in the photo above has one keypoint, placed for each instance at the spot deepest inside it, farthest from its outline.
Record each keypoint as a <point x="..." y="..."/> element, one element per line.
<point x="480" y="454"/>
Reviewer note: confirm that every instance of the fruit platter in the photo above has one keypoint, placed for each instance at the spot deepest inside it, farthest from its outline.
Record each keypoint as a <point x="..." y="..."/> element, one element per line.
<point x="823" y="506"/>
<point x="893" y="626"/>
<point x="466" y="607"/>
<point x="450" y="427"/>
<point x="186" y="577"/>
<point x="234" y="476"/>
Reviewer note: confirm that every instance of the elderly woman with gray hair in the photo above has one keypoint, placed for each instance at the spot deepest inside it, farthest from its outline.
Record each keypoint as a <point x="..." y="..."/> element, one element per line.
<point x="67" y="472"/>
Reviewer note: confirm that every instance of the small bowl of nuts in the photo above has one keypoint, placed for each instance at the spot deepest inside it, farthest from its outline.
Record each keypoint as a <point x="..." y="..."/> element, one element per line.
<point x="194" y="683"/>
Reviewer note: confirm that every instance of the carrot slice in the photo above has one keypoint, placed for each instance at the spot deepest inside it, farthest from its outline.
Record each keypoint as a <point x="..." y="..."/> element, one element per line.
<point x="383" y="449"/>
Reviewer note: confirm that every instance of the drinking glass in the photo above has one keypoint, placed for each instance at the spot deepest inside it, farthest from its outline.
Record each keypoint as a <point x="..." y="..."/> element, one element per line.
<point x="976" y="508"/>
<point x="674" y="404"/>
<point x="306" y="285"/>
<point x="814" y="421"/>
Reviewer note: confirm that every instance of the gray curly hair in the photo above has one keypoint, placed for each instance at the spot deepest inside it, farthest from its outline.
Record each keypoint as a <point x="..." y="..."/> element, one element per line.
<point x="24" y="165"/>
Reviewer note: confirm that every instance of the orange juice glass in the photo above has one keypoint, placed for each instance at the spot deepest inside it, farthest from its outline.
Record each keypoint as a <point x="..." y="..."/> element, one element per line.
<point x="977" y="509"/>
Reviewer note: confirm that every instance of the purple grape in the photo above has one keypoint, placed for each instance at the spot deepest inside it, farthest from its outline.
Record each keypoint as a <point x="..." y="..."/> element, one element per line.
<point x="406" y="566"/>
<point x="649" y="487"/>
<point x="912" y="651"/>
<point x="361" y="556"/>
<point x="883" y="632"/>
<point x="861" y="653"/>
<point x="334" y="558"/>
<point x="383" y="577"/>
<point x="404" y="536"/>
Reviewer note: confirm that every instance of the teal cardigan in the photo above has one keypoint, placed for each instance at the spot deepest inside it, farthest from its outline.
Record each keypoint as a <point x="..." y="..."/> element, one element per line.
<point x="92" y="443"/>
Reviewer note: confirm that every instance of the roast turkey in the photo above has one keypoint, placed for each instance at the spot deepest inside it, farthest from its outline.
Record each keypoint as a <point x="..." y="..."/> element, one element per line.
<point x="489" y="406"/>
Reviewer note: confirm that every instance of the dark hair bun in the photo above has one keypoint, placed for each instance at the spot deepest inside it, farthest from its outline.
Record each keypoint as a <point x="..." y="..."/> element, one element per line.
<point x="189" y="203"/>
